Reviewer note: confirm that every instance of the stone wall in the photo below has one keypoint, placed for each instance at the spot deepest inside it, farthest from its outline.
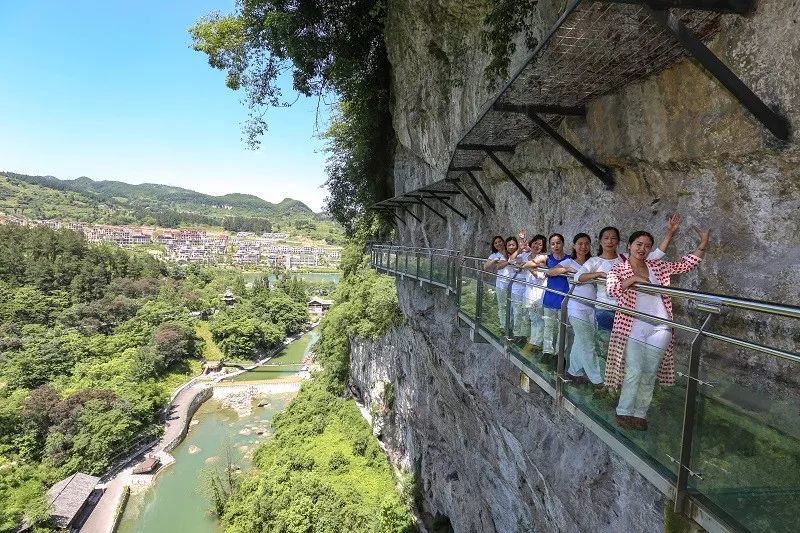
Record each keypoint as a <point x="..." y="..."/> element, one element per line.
<point x="197" y="400"/>
<point x="490" y="456"/>
<point x="677" y="141"/>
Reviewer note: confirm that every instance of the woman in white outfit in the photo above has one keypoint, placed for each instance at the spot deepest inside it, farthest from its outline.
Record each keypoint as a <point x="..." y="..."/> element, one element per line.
<point x="584" y="364"/>
<point x="598" y="267"/>
<point x="640" y="349"/>
<point x="496" y="263"/>
<point x="518" y="256"/>
<point x="534" y="294"/>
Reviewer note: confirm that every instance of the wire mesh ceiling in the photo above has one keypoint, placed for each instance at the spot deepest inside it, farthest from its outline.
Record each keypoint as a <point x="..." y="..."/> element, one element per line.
<point x="600" y="48"/>
<point x="595" y="48"/>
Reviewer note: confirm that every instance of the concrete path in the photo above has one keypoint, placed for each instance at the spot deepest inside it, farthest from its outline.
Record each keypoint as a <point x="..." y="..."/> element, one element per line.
<point x="101" y="519"/>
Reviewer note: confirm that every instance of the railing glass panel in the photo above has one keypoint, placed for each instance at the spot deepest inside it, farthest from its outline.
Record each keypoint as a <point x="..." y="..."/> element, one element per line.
<point x="468" y="294"/>
<point x="493" y="316"/>
<point x="440" y="268"/>
<point x="744" y="464"/>
<point x="746" y="449"/>
<point x="526" y="337"/>
<point x="640" y="396"/>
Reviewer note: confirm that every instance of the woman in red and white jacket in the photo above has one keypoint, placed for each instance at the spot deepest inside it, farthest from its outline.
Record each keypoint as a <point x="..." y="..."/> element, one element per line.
<point x="640" y="350"/>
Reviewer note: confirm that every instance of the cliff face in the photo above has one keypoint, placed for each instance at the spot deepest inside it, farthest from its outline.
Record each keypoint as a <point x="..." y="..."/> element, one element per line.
<point x="493" y="457"/>
<point x="489" y="455"/>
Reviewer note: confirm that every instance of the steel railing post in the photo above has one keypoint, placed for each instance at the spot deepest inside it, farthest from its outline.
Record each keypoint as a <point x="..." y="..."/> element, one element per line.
<point x="478" y="304"/>
<point x="430" y="266"/>
<point x="458" y="275"/>
<point x="509" y="325"/>
<point x="689" y="414"/>
<point x="562" y="345"/>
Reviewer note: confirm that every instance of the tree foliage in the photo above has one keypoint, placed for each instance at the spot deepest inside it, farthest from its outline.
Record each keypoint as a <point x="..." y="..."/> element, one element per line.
<point x="366" y="306"/>
<point x="331" y="48"/>
<point x="90" y="339"/>
<point x="308" y="477"/>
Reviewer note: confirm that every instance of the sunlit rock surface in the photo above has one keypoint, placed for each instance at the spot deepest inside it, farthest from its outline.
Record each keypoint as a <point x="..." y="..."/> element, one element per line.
<point x="495" y="458"/>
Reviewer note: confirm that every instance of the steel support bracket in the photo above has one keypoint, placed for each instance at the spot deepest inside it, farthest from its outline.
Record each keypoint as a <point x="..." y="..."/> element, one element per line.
<point x="422" y="201"/>
<point x="771" y="120"/>
<point x="576" y="111"/>
<point x="510" y="175"/>
<point x="480" y="189"/>
<point x="443" y="199"/>
<point x="605" y="174"/>
<point x="473" y="201"/>
<point x="737" y="7"/>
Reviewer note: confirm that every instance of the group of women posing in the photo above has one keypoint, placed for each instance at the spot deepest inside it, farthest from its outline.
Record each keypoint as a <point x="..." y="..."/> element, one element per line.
<point x="637" y="350"/>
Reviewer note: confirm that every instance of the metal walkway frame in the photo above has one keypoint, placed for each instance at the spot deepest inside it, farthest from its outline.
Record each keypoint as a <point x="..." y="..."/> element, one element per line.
<point x="596" y="47"/>
<point x="448" y="269"/>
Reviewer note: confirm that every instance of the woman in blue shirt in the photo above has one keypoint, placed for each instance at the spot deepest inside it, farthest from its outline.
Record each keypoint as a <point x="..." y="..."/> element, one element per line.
<point x="552" y="301"/>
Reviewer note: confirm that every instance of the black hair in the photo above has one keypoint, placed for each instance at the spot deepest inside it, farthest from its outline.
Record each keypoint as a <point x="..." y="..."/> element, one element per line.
<point x="539" y="237"/>
<point x="515" y="242"/>
<point x="575" y="240"/>
<point x="636" y="234"/>
<point x="494" y="239"/>
<point x="600" y="237"/>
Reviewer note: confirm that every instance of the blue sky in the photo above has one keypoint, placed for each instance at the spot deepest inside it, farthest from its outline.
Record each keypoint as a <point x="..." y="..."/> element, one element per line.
<point x="111" y="90"/>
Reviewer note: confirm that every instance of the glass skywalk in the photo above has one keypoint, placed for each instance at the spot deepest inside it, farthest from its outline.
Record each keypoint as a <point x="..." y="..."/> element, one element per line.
<point x="724" y="442"/>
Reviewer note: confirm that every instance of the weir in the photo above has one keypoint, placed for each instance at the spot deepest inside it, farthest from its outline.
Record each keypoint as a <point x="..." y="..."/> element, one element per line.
<point x="724" y="444"/>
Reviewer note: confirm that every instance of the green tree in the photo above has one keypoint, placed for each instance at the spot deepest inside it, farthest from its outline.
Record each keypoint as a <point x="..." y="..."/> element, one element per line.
<point x="288" y="314"/>
<point x="330" y="47"/>
<point x="243" y="338"/>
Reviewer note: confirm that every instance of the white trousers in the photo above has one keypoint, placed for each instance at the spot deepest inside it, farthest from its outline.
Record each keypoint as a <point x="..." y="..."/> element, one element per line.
<point x="583" y="360"/>
<point x="641" y="366"/>
<point x="550" y="334"/>
<point x="519" y="316"/>
<point x="537" y="323"/>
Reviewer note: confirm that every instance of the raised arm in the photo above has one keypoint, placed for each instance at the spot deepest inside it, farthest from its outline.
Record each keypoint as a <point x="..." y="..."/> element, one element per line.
<point x="673" y="224"/>
<point x="689" y="262"/>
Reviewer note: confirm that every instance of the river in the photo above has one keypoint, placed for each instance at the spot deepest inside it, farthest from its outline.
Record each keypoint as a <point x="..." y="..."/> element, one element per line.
<point x="176" y="501"/>
<point x="305" y="276"/>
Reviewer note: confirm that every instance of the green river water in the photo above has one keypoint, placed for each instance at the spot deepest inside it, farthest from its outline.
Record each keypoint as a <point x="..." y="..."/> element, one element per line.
<point x="176" y="501"/>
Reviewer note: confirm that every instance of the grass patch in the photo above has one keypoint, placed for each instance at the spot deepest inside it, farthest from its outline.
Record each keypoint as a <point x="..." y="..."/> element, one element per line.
<point x="210" y="349"/>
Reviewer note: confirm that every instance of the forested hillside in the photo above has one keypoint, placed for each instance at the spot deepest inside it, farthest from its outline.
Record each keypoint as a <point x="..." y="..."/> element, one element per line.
<point x="323" y="470"/>
<point x="114" y="202"/>
<point x="93" y="340"/>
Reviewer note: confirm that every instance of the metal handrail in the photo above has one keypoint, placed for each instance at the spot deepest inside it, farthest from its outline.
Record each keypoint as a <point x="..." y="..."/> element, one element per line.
<point x="691" y="295"/>
<point x="789" y="311"/>
<point x="402" y="247"/>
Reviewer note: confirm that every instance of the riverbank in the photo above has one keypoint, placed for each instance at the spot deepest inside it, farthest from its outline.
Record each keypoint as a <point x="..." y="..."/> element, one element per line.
<point x="178" y="499"/>
<point x="236" y="395"/>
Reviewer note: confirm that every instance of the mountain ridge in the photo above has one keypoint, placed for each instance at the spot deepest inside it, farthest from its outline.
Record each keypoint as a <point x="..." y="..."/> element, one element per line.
<point x="158" y="191"/>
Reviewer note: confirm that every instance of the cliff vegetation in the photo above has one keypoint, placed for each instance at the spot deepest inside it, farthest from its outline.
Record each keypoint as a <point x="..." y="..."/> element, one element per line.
<point x="324" y="470"/>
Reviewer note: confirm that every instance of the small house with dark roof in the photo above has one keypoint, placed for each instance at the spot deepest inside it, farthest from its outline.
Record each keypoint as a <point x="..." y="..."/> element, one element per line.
<point x="318" y="306"/>
<point x="229" y="298"/>
<point x="68" y="497"/>
<point x="148" y="466"/>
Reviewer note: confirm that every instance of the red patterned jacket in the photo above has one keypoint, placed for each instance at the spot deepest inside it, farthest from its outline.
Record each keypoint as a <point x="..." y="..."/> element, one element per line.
<point x="615" y="362"/>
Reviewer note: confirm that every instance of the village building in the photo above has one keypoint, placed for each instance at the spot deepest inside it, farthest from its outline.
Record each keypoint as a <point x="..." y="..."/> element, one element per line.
<point x="318" y="306"/>
<point x="68" y="497"/>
